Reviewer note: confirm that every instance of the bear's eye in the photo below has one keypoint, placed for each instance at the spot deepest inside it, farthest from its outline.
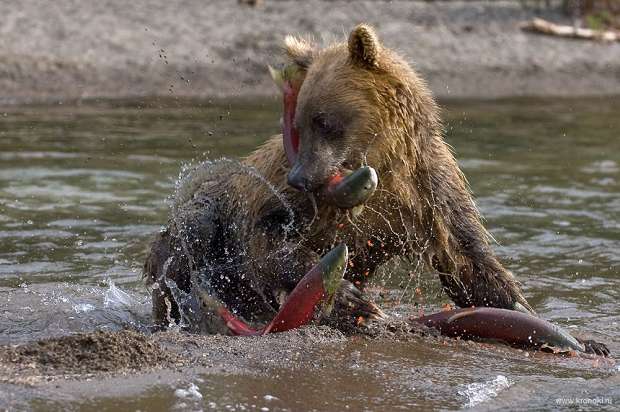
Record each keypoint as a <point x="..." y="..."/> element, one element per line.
<point x="326" y="126"/>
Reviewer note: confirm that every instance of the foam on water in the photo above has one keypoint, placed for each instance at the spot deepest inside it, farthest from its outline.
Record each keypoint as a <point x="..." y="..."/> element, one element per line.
<point x="191" y="392"/>
<point x="83" y="307"/>
<point x="479" y="392"/>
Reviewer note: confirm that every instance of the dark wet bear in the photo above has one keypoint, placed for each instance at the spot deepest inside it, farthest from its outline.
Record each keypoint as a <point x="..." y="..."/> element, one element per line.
<point x="234" y="240"/>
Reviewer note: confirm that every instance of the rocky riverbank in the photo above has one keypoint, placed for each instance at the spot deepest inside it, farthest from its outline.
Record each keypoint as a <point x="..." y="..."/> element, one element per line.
<point x="71" y="50"/>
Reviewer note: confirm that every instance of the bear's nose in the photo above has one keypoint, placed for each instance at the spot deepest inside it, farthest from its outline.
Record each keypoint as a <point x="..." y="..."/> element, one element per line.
<point x="297" y="179"/>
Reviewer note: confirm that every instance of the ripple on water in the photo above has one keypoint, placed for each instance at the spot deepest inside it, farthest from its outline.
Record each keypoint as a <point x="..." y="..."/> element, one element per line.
<point x="606" y="167"/>
<point x="56" y="190"/>
<point x="36" y="234"/>
<point x="78" y="223"/>
<point x="38" y="173"/>
<point x="12" y="269"/>
<point x="25" y="155"/>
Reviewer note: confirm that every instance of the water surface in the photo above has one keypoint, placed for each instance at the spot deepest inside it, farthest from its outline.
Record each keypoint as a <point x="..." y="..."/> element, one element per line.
<point x="83" y="189"/>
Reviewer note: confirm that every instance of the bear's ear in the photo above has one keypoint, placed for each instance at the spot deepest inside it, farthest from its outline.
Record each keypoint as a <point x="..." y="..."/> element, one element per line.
<point x="299" y="50"/>
<point x="364" y="46"/>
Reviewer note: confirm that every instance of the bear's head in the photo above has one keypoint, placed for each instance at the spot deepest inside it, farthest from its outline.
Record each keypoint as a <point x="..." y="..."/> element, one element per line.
<point x="360" y="103"/>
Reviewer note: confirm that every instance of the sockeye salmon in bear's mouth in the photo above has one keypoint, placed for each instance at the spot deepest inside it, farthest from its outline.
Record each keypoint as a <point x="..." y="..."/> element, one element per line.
<point x="345" y="188"/>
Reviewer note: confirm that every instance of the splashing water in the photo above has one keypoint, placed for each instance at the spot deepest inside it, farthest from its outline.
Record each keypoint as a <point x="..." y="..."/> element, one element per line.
<point x="191" y="392"/>
<point x="116" y="297"/>
<point x="192" y="176"/>
<point x="479" y="392"/>
<point x="83" y="307"/>
<point x="190" y="179"/>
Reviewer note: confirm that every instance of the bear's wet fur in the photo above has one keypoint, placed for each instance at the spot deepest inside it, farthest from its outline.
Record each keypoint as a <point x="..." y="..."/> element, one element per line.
<point x="238" y="243"/>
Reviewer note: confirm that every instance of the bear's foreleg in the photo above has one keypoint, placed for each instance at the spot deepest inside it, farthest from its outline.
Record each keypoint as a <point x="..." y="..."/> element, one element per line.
<point x="480" y="284"/>
<point x="469" y="271"/>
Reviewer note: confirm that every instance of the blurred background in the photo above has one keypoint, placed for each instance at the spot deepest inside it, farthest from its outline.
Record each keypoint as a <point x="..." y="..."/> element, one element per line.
<point x="70" y="49"/>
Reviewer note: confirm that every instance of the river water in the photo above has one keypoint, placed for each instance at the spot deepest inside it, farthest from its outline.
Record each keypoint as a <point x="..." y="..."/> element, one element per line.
<point x="83" y="189"/>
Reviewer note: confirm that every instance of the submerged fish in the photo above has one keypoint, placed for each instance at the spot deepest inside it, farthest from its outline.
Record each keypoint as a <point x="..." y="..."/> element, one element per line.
<point x="317" y="287"/>
<point x="509" y="326"/>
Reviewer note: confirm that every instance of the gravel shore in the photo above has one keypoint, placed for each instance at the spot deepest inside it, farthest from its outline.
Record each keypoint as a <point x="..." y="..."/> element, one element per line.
<point x="71" y="50"/>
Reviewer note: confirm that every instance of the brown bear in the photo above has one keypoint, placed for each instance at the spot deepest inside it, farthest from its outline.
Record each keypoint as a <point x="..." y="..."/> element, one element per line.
<point x="244" y="234"/>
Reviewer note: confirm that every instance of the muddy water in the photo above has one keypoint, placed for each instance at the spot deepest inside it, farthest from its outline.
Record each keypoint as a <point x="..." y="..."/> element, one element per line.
<point x="82" y="189"/>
